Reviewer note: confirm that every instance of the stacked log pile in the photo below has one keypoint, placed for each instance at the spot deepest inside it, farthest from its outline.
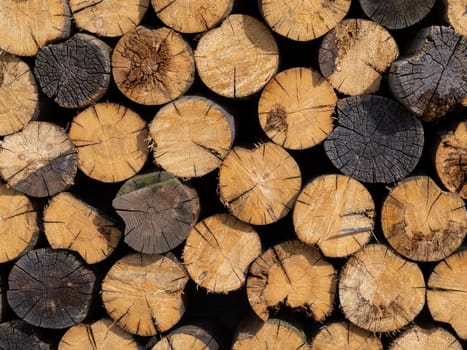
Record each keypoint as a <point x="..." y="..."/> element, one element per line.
<point x="233" y="174"/>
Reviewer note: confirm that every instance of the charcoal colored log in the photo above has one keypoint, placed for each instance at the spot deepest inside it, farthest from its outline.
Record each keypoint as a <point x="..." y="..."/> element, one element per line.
<point x="431" y="78"/>
<point x="397" y="14"/>
<point x="74" y="73"/>
<point x="376" y="140"/>
<point x="417" y="338"/>
<point x="39" y="161"/>
<point x="18" y="335"/>
<point x="50" y="288"/>
<point x="158" y="210"/>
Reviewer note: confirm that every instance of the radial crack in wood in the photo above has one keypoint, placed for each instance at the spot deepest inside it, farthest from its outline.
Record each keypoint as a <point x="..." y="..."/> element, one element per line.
<point x="16" y="334"/>
<point x="416" y="338"/>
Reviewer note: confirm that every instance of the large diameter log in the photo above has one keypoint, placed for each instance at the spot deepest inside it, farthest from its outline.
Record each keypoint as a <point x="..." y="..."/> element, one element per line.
<point x="238" y="58"/>
<point x="432" y="78"/>
<point x="416" y="338"/>
<point x="50" y="288"/>
<point x="188" y="337"/>
<point x="345" y="335"/>
<point x="111" y="141"/>
<point x="144" y="294"/>
<point x="421" y="222"/>
<point x="336" y="213"/>
<point x="192" y="16"/>
<point x="108" y="18"/>
<point x="28" y="25"/>
<point x="39" y="161"/>
<point x="397" y="14"/>
<point x="19" y="100"/>
<point x="296" y="108"/>
<point x="259" y="186"/>
<point x="153" y="67"/>
<point x="70" y="223"/>
<point x="292" y="275"/>
<point x="19" y="226"/>
<point x="218" y="252"/>
<point x="17" y="334"/>
<point x="191" y="136"/>
<point x="99" y="335"/>
<point x="303" y="20"/>
<point x="158" y="210"/>
<point x="354" y="55"/>
<point x="455" y="14"/>
<point x="380" y="291"/>
<point x="447" y="292"/>
<point x="74" y="73"/>
<point x="376" y="139"/>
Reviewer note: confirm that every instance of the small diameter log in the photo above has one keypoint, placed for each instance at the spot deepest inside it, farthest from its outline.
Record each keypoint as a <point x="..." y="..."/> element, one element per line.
<point x="74" y="73"/>
<point x="336" y="213"/>
<point x="70" y="223"/>
<point x="192" y="16"/>
<point x="397" y="14"/>
<point x="296" y="107"/>
<point x="259" y="186"/>
<point x="17" y="334"/>
<point x="191" y="136"/>
<point x="238" y="58"/>
<point x="416" y="338"/>
<point x="447" y="292"/>
<point x="421" y="222"/>
<point x="111" y="142"/>
<point x="143" y="294"/>
<point x="432" y="78"/>
<point x="345" y="335"/>
<point x="376" y="139"/>
<point x="188" y="337"/>
<point x="455" y="15"/>
<point x="158" y="210"/>
<point x="218" y="252"/>
<point x="451" y="159"/>
<point x="153" y="67"/>
<point x="379" y="291"/>
<point x="354" y="55"/>
<point x="39" y="161"/>
<point x="108" y="18"/>
<point x="19" y="99"/>
<point x="273" y="334"/>
<point x="303" y="20"/>
<point x="19" y="226"/>
<point x="50" y="288"/>
<point x="291" y="275"/>
<point x="28" y="25"/>
<point x="101" y="334"/>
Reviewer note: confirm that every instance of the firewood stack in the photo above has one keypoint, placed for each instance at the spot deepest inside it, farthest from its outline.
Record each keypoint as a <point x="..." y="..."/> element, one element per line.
<point x="233" y="174"/>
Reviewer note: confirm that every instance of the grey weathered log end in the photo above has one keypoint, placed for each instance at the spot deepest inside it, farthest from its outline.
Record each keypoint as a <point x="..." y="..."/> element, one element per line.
<point x="376" y="140"/>
<point x="17" y="334"/>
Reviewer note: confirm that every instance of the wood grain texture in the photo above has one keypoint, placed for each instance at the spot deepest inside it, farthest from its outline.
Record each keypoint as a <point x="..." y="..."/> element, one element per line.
<point x="188" y="337"/>
<point x="456" y="15"/>
<point x="16" y="335"/>
<point x="417" y="338"/>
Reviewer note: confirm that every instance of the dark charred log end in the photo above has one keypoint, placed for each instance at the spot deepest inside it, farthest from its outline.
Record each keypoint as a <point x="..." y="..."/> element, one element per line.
<point x="327" y="55"/>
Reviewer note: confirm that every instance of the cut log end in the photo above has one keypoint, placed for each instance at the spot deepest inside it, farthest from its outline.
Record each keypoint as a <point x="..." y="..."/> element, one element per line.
<point x="16" y="334"/>
<point x="416" y="338"/>
<point x="188" y="337"/>
<point x="456" y="15"/>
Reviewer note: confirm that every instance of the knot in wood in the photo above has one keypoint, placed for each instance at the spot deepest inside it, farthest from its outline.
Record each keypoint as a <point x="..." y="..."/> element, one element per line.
<point x="276" y="119"/>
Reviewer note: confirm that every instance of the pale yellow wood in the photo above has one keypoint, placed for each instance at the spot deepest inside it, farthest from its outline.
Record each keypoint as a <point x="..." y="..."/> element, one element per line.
<point x="19" y="99"/>
<point x="144" y="293"/>
<point x="259" y="186"/>
<point x="296" y="108"/>
<point x="187" y="337"/>
<point x="294" y="275"/>
<point x="19" y="227"/>
<point x="70" y="223"/>
<point x="416" y="338"/>
<point x="28" y="25"/>
<point x="345" y="336"/>
<point x="447" y="292"/>
<point x="336" y="213"/>
<point x="380" y="291"/>
<point x="153" y="66"/>
<point x="108" y="17"/>
<point x="422" y="222"/>
<point x="191" y="136"/>
<point x="103" y="334"/>
<point x="238" y="58"/>
<point x="303" y="20"/>
<point x="192" y="16"/>
<point x="456" y="15"/>
<point x="111" y="141"/>
<point x="355" y="54"/>
<point x="218" y="252"/>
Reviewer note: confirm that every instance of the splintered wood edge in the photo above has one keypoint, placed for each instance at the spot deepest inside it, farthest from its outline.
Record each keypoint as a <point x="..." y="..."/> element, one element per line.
<point x="417" y="338"/>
